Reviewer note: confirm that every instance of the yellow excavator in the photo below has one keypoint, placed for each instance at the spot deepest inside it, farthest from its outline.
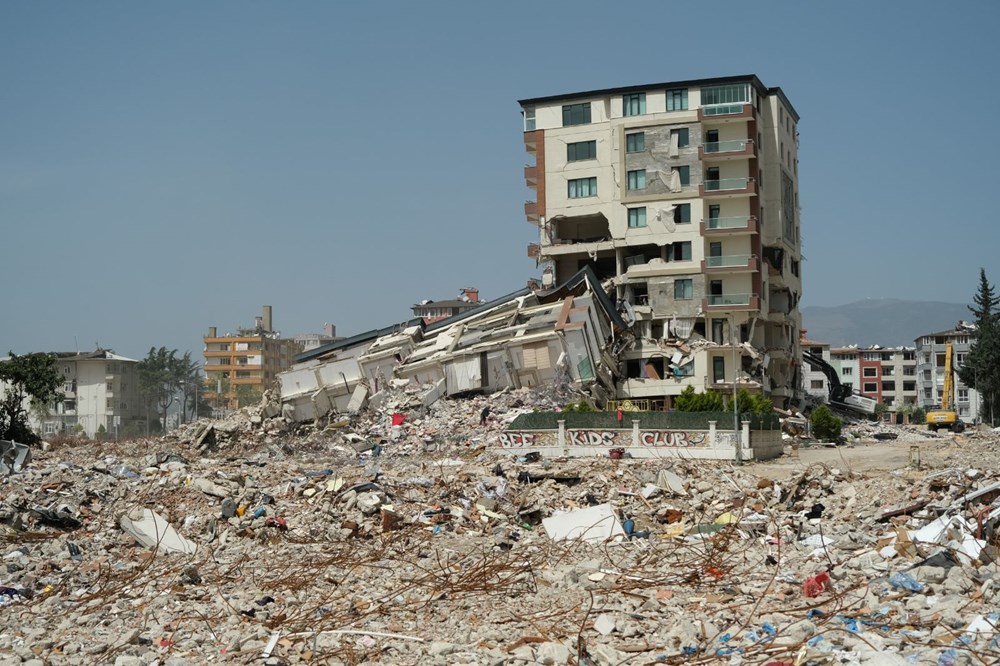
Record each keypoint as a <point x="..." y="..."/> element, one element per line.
<point x="946" y="417"/>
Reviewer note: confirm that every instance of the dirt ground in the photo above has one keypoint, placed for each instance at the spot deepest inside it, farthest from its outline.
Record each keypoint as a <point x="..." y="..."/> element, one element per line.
<point x="867" y="456"/>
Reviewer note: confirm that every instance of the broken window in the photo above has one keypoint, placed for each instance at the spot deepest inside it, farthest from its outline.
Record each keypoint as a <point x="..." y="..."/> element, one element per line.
<point x="683" y="137"/>
<point x="682" y="251"/>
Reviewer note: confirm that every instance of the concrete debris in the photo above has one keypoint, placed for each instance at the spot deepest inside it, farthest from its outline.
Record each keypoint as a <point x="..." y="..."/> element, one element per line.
<point x="401" y="534"/>
<point x="13" y="456"/>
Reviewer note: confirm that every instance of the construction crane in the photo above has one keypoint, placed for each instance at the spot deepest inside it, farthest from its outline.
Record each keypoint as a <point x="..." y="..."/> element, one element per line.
<point x="946" y="416"/>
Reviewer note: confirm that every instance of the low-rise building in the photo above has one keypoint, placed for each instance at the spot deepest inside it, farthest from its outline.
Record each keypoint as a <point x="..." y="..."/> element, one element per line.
<point x="432" y="311"/>
<point x="100" y="395"/>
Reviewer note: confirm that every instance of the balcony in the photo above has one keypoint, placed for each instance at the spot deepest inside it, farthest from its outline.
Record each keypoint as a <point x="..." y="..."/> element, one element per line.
<point x="531" y="211"/>
<point x="730" y="302"/>
<point x="736" y="263"/>
<point x="728" y="188"/>
<point x="725" y="113"/>
<point x="531" y="141"/>
<point x="531" y="176"/>
<point x="727" y="150"/>
<point x="730" y="226"/>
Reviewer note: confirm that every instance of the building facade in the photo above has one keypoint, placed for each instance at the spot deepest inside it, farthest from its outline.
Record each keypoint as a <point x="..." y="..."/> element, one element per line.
<point x="683" y="198"/>
<point x="814" y="381"/>
<point x="100" y="396"/>
<point x="930" y="358"/>
<point x="239" y="367"/>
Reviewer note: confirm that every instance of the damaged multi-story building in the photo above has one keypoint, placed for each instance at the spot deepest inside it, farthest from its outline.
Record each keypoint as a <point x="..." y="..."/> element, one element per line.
<point x="683" y="199"/>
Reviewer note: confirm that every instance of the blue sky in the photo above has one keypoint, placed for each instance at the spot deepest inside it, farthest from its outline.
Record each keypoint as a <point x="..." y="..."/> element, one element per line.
<point x="169" y="167"/>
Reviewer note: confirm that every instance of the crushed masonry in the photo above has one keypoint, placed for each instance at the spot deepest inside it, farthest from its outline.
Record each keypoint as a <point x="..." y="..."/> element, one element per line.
<point x="403" y="534"/>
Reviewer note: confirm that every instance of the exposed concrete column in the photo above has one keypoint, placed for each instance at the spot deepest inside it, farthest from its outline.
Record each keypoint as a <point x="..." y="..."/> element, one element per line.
<point x="635" y="434"/>
<point x="561" y="437"/>
<point x="711" y="433"/>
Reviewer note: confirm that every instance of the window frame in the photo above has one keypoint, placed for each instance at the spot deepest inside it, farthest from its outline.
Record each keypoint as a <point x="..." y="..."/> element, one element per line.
<point x="635" y="180"/>
<point x="632" y="141"/>
<point x="673" y="94"/>
<point x="686" y="287"/>
<point x="684" y="172"/>
<point x="679" y="249"/>
<point x="637" y="212"/>
<point x="574" y="147"/>
<point x="682" y="217"/>
<point x="581" y="192"/>
<point x="633" y="104"/>
<point x="585" y="114"/>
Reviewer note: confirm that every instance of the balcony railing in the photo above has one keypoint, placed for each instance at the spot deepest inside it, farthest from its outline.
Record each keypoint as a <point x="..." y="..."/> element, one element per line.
<point x="726" y="184"/>
<point x="733" y="222"/>
<point x="738" y="145"/>
<point x="729" y="299"/>
<point x="727" y="261"/>
<point x="722" y="109"/>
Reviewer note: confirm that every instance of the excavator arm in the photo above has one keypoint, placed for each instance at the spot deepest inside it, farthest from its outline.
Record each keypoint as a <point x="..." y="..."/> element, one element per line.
<point x="840" y="395"/>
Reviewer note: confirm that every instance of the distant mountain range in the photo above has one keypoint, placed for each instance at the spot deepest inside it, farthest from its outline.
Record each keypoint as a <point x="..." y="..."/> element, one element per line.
<point x="881" y="321"/>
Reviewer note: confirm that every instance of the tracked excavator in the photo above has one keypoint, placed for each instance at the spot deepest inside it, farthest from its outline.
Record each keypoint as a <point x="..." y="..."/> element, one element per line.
<point x="841" y="396"/>
<point x="946" y="417"/>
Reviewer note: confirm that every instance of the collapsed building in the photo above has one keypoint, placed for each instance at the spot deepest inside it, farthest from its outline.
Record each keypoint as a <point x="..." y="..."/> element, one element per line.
<point x="574" y="335"/>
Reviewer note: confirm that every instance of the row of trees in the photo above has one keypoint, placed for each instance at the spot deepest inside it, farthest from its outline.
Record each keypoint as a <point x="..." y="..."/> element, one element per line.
<point x="162" y="376"/>
<point x="981" y="369"/>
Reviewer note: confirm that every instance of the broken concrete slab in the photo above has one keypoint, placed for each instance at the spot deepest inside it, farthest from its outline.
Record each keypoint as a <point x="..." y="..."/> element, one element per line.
<point x="595" y="523"/>
<point x="13" y="456"/>
<point x="152" y="530"/>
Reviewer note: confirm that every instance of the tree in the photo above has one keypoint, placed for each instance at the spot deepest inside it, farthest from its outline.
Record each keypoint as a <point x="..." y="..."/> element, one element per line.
<point x="981" y="369"/>
<point x="689" y="401"/>
<point x="32" y="377"/>
<point x="247" y="395"/>
<point x="825" y="426"/>
<point x="161" y="376"/>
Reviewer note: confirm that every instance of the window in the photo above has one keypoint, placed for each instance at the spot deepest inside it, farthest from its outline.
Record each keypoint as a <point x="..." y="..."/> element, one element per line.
<point x="888" y="371"/>
<point x="581" y="150"/>
<point x="685" y="174"/>
<point x="677" y="99"/>
<point x="927" y="394"/>
<point x="683" y="290"/>
<point x="686" y="370"/>
<point x="909" y="372"/>
<point x="847" y="372"/>
<point x="682" y="251"/>
<point x="636" y="217"/>
<point x="963" y="395"/>
<point x="781" y="115"/>
<point x="582" y="187"/>
<point x="682" y="214"/>
<point x="737" y="93"/>
<point x="637" y="179"/>
<point x="909" y="386"/>
<point x="816" y="383"/>
<point x="576" y="114"/>
<point x="635" y="142"/>
<point x="871" y="372"/>
<point x="889" y="386"/>
<point x="718" y="369"/>
<point x="634" y="104"/>
<point x="683" y="137"/>
<point x="529" y="119"/>
<point x="870" y="387"/>
<point x="795" y="267"/>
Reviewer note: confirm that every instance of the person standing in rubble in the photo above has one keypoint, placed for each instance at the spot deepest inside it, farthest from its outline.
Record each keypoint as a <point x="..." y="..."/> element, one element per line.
<point x="483" y="415"/>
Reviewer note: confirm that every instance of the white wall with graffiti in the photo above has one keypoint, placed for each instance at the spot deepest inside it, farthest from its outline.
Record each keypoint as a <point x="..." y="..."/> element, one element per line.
<point x="637" y="442"/>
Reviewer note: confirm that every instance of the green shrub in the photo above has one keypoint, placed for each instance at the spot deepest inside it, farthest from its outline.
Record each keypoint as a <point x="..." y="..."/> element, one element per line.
<point x="918" y="416"/>
<point x="825" y="425"/>
<point x="689" y="401"/>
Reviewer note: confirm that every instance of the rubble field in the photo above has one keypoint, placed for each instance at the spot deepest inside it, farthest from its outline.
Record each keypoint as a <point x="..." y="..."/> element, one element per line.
<point x="406" y="535"/>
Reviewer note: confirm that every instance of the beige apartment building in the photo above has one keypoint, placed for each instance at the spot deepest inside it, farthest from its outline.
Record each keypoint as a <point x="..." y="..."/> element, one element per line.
<point x="683" y="198"/>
